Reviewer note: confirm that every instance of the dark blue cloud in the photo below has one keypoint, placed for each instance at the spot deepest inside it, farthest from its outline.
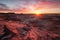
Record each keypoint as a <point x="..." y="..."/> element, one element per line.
<point x="3" y="7"/>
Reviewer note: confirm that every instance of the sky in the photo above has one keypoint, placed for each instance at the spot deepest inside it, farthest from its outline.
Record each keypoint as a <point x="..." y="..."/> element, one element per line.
<point x="30" y="6"/>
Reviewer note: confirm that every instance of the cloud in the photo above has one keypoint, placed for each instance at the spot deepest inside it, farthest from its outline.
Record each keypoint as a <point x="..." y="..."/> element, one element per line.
<point x="4" y="7"/>
<point x="50" y="3"/>
<point x="53" y="0"/>
<point x="27" y="5"/>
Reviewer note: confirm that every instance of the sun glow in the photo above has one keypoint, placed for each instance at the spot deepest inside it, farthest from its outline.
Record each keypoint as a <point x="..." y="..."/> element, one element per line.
<point x="34" y="10"/>
<point x="37" y="11"/>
